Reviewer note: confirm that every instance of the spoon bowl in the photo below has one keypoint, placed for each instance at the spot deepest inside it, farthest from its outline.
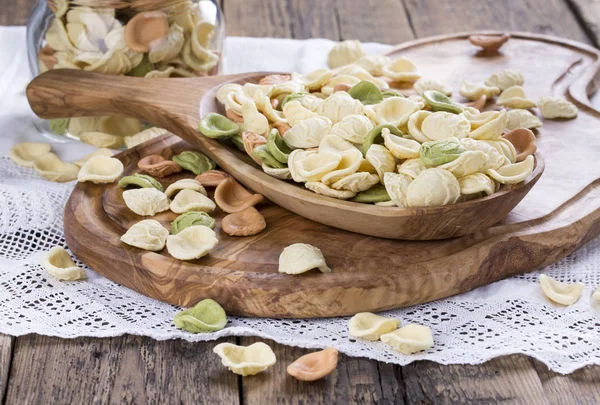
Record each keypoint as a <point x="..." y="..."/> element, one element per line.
<point x="178" y="105"/>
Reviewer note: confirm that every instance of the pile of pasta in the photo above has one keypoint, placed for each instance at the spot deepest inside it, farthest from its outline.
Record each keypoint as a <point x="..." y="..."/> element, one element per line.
<point x="347" y="134"/>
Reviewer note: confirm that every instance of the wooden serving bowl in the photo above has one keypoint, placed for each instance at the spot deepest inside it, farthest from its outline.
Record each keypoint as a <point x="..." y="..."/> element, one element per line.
<point x="178" y="104"/>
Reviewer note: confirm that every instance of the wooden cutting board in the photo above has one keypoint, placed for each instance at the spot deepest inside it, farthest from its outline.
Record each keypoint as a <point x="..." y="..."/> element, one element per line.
<point x="561" y="213"/>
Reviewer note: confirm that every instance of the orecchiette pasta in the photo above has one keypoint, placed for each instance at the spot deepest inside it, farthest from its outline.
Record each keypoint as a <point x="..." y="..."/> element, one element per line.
<point x="190" y="200"/>
<point x="205" y="316"/>
<point x="97" y="152"/>
<point x="146" y="201"/>
<point x="307" y="133"/>
<point x="143" y="136"/>
<point x="339" y="105"/>
<point x="50" y="167"/>
<point x="24" y="154"/>
<point x="368" y="326"/>
<point x="192" y="243"/>
<point x="59" y="265"/>
<point x="402" y="70"/>
<point x="395" y="111"/>
<point x="373" y="63"/>
<point x="353" y="128"/>
<point x="476" y="183"/>
<point x="441" y="125"/>
<point x="382" y="160"/>
<point x="556" y="107"/>
<point x="493" y="128"/>
<point x="396" y="186"/>
<point x="401" y="148"/>
<point x="519" y="118"/>
<point x="300" y="258"/>
<point x="513" y="173"/>
<point x="185" y="184"/>
<point x="343" y="53"/>
<point x="514" y="97"/>
<point x="473" y="91"/>
<point x="248" y="360"/>
<point x="147" y="234"/>
<point x="409" y="339"/>
<point x="433" y="187"/>
<point x="323" y="189"/>
<point x="505" y="78"/>
<point x="101" y="169"/>
<point x="423" y="84"/>
<point x="560" y="293"/>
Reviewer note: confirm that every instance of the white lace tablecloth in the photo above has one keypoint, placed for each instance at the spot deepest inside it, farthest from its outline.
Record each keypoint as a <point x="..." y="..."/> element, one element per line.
<point x="506" y="317"/>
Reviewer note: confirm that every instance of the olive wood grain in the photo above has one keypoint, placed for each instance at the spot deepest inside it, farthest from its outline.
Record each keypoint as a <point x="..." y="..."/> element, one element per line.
<point x="561" y="213"/>
<point x="177" y="105"/>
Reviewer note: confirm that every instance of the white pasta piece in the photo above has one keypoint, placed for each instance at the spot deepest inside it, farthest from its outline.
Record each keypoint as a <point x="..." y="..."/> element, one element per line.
<point x="314" y="80"/>
<point x="147" y="234"/>
<point x="295" y="157"/>
<point x="382" y="160"/>
<point x="353" y="128"/>
<point x="349" y="80"/>
<point x="474" y="91"/>
<point x="513" y="173"/>
<point x="192" y="243"/>
<point x="50" y="167"/>
<point x="307" y="133"/>
<point x="412" y="167"/>
<point x="505" y="78"/>
<point x="168" y="49"/>
<point x="344" y="52"/>
<point x="373" y="63"/>
<point x="351" y="161"/>
<point x="254" y="121"/>
<point x="295" y="111"/>
<point x="395" y="111"/>
<point x="415" y="123"/>
<point x="256" y="92"/>
<point x="97" y="152"/>
<point x="522" y="119"/>
<point x="283" y="173"/>
<point x="441" y="125"/>
<point x="195" y="53"/>
<point x="143" y="136"/>
<point x="396" y="186"/>
<point x="185" y="184"/>
<point x="59" y="265"/>
<point x="101" y="140"/>
<point x="114" y="126"/>
<point x="300" y="258"/>
<point x="25" y="153"/>
<point x="557" y="107"/>
<point x="356" y="182"/>
<point x="495" y="158"/>
<point x="272" y="114"/>
<point x="409" y="339"/>
<point x="287" y="87"/>
<point x="433" y="187"/>
<point x="401" y="148"/>
<point x="227" y="95"/>
<point x="248" y="360"/>
<point x="146" y="201"/>
<point x="492" y="129"/>
<point x="402" y="70"/>
<point x="323" y="189"/>
<point x="476" y="183"/>
<point x="560" y="293"/>
<point x="477" y="118"/>
<point x="189" y="200"/>
<point x="514" y="97"/>
<point x="422" y="85"/>
<point x="363" y="75"/>
<point x="506" y="148"/>
<point x="339" y="105"/>
<point x="313" y="167"/>
<point x="100" y="169"/>
<point x="335" y="144"/>
<point x="57" y="37"/>
<point x="309" y="101"/>
<point x="596" y="294"/>
<point x="368" y="326"/>
<point x="468" y="162"/>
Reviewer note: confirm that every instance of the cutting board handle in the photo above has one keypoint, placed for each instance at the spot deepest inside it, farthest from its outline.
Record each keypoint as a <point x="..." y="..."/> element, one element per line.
<point x="64" y="93"/>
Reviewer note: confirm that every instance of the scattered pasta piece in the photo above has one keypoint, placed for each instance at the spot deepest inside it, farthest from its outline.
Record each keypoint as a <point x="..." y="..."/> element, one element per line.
<point x="185" y="184"/>
<point x="514" y="97"/>
<point x="557" y="107"/>
<point x="205" y="316"/>
<point x="474" y="91"/>
<point x="596" y="295"/>
<point x="409" y="339"/>
<point x="247" y="222"/>
<point x="368" y="326"/>
<point x="24" y="154"/>
<point x="100" y="169"/>
<point x="300" y="258"/>
<point x="315" y="365"/>
<point x="246" y="360"/>
<point x="505" y="78"/>
<point x="560" y="293"/>
<point x="50" y="167"/>
<point x="146" y="201"/>
<point x="158" y="166"/>
<point x="343" y="53"/>
<point x="190" y="200"/>
<point x="520" y="118"/>
<point x="98" y="152"/>
<point x="191" y="243"/>
<point x="147" y="234"/>
<point x="59" y="265"/>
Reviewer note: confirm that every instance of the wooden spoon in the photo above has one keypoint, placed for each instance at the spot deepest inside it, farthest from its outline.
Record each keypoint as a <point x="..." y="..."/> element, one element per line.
<point x="178" y="104"/>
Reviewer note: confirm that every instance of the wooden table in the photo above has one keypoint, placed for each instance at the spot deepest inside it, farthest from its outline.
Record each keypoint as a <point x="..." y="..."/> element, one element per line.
<point x="130" y="369"/>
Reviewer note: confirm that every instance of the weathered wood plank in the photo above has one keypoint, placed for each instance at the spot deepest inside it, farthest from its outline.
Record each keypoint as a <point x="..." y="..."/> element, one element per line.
<point x="510" y="379"/>
<point x="581" y="387"/>
<point x="6" y="349"/>
<point x="15" y="12"/>
<point x="281" y="18"/>
<point x="386" y="21"/>
<point x="588" y="13"/>
<point x="356" y="381"/>
<point x="433" y="17"/>
<point x="126" y="369"/>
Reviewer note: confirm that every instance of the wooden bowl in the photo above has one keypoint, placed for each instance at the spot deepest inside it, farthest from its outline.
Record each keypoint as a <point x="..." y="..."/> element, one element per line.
<point x="178" y="104"/>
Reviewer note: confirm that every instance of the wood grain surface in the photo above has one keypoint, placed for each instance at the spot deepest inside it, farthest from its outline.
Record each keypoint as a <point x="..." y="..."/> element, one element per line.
<point x="381" y="383"/>
<point x="369" y="274"/>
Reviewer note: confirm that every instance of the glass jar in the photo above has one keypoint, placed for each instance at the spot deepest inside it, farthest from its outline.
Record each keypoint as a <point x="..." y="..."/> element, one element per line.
<point x="143" y="38"/>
